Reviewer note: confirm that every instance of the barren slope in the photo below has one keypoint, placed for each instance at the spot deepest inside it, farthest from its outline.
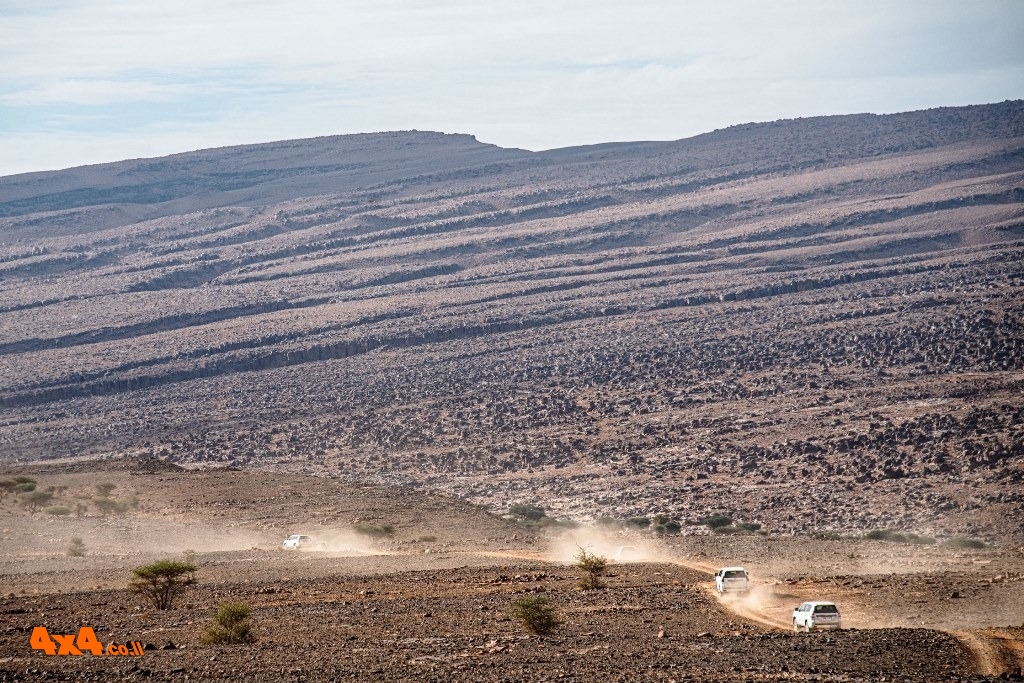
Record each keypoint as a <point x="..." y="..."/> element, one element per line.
<point x="813" y="324"/>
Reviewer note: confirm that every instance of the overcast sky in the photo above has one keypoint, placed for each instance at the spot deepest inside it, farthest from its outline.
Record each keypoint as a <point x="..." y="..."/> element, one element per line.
<point x="85" y="81"/>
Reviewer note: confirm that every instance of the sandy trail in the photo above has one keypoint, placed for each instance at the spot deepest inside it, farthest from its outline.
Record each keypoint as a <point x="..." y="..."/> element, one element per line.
<point x="995" y="652"/>
<point x="507" y="554"/>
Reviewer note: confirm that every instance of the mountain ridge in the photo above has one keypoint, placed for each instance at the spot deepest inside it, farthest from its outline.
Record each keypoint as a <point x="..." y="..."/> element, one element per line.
<point x="623" y="330"/>
<point x="22" y="186"/>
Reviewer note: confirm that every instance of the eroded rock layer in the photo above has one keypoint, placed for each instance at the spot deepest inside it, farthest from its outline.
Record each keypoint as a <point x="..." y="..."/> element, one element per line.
<point x="815" y="324"/>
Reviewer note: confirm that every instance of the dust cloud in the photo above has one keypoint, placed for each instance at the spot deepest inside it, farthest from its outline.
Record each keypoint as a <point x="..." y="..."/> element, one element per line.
<point x="172" y="538"/>
<point x="616" y="548"/>
<point x="763" y="605"/>
<point x="341" y="543"/>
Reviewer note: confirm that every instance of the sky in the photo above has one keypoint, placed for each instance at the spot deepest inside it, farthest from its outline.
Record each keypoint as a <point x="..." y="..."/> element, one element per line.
<point x="88" y="81"/>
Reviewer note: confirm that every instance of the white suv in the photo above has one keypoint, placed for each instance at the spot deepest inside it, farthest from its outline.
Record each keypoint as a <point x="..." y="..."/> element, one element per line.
<point x="732" y="580"/>
<point x="296" y="541"/>
<point x="814" y="615"/>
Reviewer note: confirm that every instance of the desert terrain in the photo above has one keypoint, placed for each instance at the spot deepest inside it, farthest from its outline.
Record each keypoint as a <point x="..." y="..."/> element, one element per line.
<point x="812" y="327"/>
<point x="811" y="324"/>
<point x="432" y="601"/>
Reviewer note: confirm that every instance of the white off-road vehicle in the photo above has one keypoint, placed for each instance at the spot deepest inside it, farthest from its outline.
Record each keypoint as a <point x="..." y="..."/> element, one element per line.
<point x="812" y="616"/>
<point x="626" y="553"/>
<point x="296" y="541"/>
<point x="732" y="580"/>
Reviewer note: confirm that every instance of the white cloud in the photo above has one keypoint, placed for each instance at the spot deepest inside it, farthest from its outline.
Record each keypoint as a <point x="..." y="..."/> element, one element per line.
<point x="94" y="91"/>
<point x="529" y="73"/>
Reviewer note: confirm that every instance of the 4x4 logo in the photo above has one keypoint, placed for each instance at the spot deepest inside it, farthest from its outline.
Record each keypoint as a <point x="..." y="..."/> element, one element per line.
<point x="76" y="644"/>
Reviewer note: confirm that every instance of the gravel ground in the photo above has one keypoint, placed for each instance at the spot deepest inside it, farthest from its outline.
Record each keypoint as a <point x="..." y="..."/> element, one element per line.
<point x="433" y="601"/>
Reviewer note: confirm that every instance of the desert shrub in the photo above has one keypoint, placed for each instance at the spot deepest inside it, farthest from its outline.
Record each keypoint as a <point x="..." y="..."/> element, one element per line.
<point x="107" y="506"/>
<point x="162" y="581"/>
<point x="24" y="484"/>
<point x="230" y="625"/>
<point x="105" y="489"/>
<point x="670" y="527"/>
<point x="748" y="526"/>
<point x="373" y="530"/>
<point x="57" y="510"/>
<point x="36" y="499"/>
<point x="593" y="566"/>
<point x="961" y="543"/>
<point x="526" y="512"/>
<point x="920" y="540"/>
<point x="536" y="613"/>
<point x="76" y="548"/>
<point x="716" y="521"/>
<point x="427" y="539"/>
<point x="638" y="522"/>
<point x="552" y="523"/>
<point x="663" y="524"/>
<point x="80" y="509"/>
<point x="6" y="486"/>
<point x="725" y="530"/>
<point x="897" y="537"/>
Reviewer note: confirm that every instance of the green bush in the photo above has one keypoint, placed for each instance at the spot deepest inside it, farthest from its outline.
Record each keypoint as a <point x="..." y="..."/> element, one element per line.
<point x="36" y="499"/>
<point x="664" y="526"/>
<point x="57" y="510"/>
<point x="162" y="581"/>
<point x="230" y="625"/>
<point x="898" y="537"/>
<point x="592" y="566"/>
<point x="716" y="521"/>
<point x="961" y="543"/>
<point x="528" y="513"/>
<point x="76" y="548"/>
<point x="107" y="506"/>
<point x="536" y="612"/>
<point x="373" y="530"/>
<point x="748" y="526"/>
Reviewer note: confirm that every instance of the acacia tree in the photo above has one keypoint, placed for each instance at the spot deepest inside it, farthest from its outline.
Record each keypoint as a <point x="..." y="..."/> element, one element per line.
<point x="162" y="581"/>
<point x="536" y="612"/>
<point x="592" y="566"/>
<point x="36" y="499"/>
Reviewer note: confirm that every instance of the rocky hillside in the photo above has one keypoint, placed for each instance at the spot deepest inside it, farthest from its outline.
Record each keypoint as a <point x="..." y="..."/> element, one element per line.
<point x="814" y="324"/>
